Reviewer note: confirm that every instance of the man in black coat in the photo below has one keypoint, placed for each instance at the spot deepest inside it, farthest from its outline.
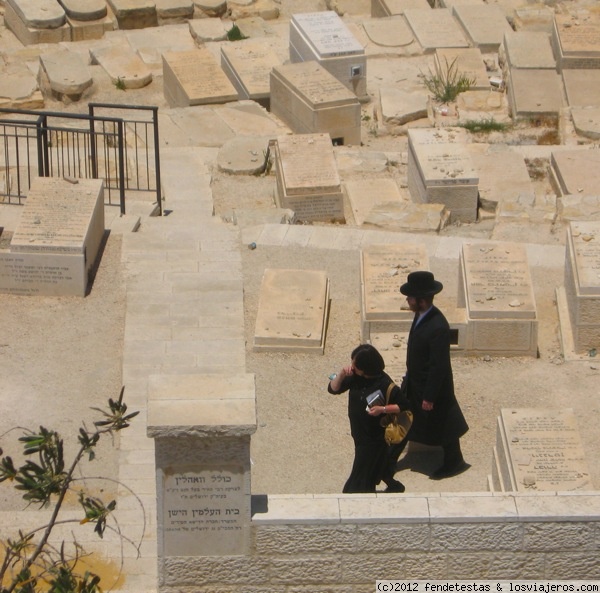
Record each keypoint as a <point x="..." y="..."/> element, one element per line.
<point x="429" y="385"/>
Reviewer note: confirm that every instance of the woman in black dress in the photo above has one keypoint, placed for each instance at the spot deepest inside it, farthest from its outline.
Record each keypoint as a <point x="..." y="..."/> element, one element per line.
<point x="364" y="376"/>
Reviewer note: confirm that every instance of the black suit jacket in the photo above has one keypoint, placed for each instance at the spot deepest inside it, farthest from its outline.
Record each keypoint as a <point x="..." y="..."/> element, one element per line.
<point x="429" y="377"/>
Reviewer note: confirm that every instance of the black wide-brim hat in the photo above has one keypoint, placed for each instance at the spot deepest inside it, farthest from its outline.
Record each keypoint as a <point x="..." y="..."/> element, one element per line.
<point x="421" y="284"/>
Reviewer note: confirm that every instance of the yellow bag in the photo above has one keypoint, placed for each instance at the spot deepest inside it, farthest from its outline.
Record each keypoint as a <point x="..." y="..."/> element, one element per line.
<point x="396" y="425"/>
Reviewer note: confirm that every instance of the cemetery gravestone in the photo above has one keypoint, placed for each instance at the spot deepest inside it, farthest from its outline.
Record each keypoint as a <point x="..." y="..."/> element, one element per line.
<point x="292" y="312"/>
<point x="528" y="50"/>
<point x="484" y="24"/>
<point x="323" y="37"/>
<point x="195" y="78"/>
<point x="540" y="450"/>
<point x="576" y="44"/>
<point x="534" y="92"/>
<point x="495" y="288"/>
<point x="309" y="100"/>
<point x="57" y="240"/>
<point x="385" y="8"/>
<point x="382" y="269"/>
<point x="307" y="178"/>
<point x="435" y="28"/>
<point x="575" y="172"/>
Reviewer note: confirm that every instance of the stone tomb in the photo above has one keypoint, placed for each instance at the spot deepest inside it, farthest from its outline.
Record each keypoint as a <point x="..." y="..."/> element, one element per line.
<point x="382" y="269"/>
<point x="574" y="172"/>
<point x="293" y="310"/>
<point x="485" y="25"/>
<point x="36" y="21"/>
<point x="539" y="450"/>
<point x="534" y="92"/>
<point x="441" y="171"/>
<point x="56" y="242"/>
<point x="583" y="91"/>
<point x="248" y="65"/>
<point x="309" y="100"/>
<point x="582" y="286"/>
<point x="307" y="178"/>
<point x="195" y="78"/>
<point x="323" y="37"/>
<point x="576" y="44"/>
<point x="495" y="287"/>
<point x="435" y="28"/>
<point x="527" y="50"/>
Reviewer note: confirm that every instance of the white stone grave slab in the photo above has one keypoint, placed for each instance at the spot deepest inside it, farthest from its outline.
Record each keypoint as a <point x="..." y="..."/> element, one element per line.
<point x="364" y="194"/>
<point x="545" y="451"/>
<point x="84" y="10"/>
<point x="496" y="290"/>
<point x="529" y="50"/>
<point x="307" y="177"/>
<point x="385" y="8"/>
<point x="485" y="25"/>
<point x="582" y="87"/>
<point x="582" y="284"/>
<point x="324" y="37"/>
<point x="248" y="64"/>
<point x="575" y="171"/>
<point x="35" y="22"/>
<point x="292" y="312"/>
<point x="534" y="92"/>
<point x="66" y="72"/>
<point x="434" y="28"/>
<point x="382" y="269"/>
<point x="134" y="14"/>
<point x="586" y="120"/>
<point x="469" y="62"/>
<point x="195" y="78"/>
<point x="122" y="64"/>
<point x="311" y="100"/>
<point x="576" y="43"/>
<point x="441" y="171"/>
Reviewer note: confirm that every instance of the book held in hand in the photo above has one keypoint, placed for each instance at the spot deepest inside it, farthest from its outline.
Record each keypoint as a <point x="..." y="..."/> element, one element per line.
<point x="375" y="399"/>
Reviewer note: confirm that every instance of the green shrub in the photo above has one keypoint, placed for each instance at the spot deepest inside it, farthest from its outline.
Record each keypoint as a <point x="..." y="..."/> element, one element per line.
<point x="446" y="83"/>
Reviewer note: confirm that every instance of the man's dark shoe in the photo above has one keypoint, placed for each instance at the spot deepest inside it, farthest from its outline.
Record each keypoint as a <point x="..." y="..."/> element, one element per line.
<point x="395" y="486"/>
<point x="449" y="471"/>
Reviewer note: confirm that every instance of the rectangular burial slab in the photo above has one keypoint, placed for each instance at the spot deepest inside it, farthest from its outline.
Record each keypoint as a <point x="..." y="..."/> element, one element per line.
<point x="307" y="177"/>
<point x="248" y="64"/>
<point x="324" y="37"/>
<point x="575" y="172"/>
<point x="582" y="283"/>
<point x="485" y="25"/>
<point x="434" y="28"/>
<point x="534" y="92"/>
<point x="292" y="311"/>
<point x="582" y="88"/>
<point x="195" y="78"/>
<point x="576" y="44"/>
<point x="496" y="281"/>
<point x="545" y="450"/>
<point x="18" y="22"/>
<point x="310" y="100"/>
<point x="529" y="49"/>
<point x="383" y="268"/>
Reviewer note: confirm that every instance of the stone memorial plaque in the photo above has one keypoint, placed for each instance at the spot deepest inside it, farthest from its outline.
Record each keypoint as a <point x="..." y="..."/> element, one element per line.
<point x="497" y="281"/>
<point x="205" y="511"/>
<point x="61" y="217"/>
<point x="383" y="269"/>
<point x="195" y="78"/>
<point x="327" y="33"/>
<point x="584" y="239"/>
<point x="292" y="311"/>
<point x="545" y="450"/>
<point x="434" y="28"/>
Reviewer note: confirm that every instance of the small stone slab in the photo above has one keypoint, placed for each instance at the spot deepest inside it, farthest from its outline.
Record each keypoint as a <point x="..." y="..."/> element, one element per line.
<point x="150" y="44"/>
<point x="469" y="62"/>
<point x="134" y="14"/>
<point x="408" y="217"/>
<point x="435" y="28"/>
<point x="398" y="107"/>
<point x="122" y="64"/>
<point x="528" y="49"/>
<point x="364" y="194"/>
<point x="497" y="281"/>
<point x="212" y="8"/>
<point x="195" y="78"/>
<point x="170" y="11"/>
<point x="582" y="87"/>
<point x="545" y="450"/>
<point x="39" y="14"/>
<point x="84" y="10"/>
<point x="67" y="73"/>
<point x="578" y="208"/>
<point x="292" y="312"/>
<point x="17" y="84"/>
<point x="584" y="243"/>
<point x="485" y="25"/>
<point x="243" y="155"/>
<point x="203" y="30"/>
<point x="586" y="121"/>
<point x="576" y="171"/>
<point x="534" y="92"/>
<point x="389" y="32"/>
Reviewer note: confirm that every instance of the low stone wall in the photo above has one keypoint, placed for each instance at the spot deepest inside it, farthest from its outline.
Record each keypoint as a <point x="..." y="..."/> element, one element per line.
<point x="343" y="544"/>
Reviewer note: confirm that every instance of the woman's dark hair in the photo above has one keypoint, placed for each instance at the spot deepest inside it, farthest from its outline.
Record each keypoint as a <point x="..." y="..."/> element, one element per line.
<point x="366" y="358"/>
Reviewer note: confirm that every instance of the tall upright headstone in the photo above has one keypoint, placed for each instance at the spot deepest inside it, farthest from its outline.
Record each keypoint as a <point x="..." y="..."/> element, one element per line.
<point x="495" y="288"/>
<point x="324" y="37"/>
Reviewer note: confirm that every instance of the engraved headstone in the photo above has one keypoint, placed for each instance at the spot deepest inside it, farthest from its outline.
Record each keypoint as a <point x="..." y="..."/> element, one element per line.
<point x="544" y="453"/>
<point x="324" y="37"/>
<point x="292" y="311"/>
<point x="576" y="43"/>
<point x="195" y="78"/>
<point x="434" y="28"/>
<point x="496" y="289"/>
<point x="307" y="177"/>
<point x="582" y="284"/>
<point x="383" y="268"/>
<point x="441" y="171"/>
<point x="309" y="100"/>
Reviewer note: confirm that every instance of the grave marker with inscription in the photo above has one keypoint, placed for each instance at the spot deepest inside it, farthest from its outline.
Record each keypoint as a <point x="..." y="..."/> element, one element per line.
<point x="576" y="44"/>
<point x="292" y="311"/>
<point x="382" y="269"/>
<point x="495" y="288"/>
<point x="540" y="450"/>
<point x="195" y="78"/>
<point x="307" y="177"/>
<point x="57" y="240"/>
